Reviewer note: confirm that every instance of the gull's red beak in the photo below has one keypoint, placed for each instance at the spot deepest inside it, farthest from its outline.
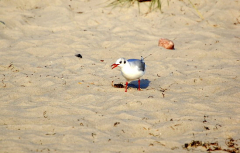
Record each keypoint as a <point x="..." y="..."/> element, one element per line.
<point x="114" y="65"/>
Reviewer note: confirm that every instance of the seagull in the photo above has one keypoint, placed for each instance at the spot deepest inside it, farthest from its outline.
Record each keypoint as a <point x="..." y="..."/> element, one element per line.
<point x="132" y="69"/>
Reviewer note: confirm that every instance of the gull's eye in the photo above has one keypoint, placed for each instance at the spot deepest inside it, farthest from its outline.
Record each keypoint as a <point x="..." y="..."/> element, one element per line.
<point x="124" y="62"/>
<point x="120" y="62"/>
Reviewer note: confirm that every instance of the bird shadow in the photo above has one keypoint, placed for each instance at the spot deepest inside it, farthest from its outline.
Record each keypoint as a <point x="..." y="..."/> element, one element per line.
<point x="143" y="84"/>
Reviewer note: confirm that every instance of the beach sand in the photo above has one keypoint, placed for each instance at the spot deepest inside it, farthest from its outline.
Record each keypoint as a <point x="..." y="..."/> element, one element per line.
<point x="52" y="101"/>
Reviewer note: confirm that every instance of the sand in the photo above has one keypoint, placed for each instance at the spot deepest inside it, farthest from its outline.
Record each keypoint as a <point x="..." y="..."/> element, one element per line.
<point x="52" y="101"/>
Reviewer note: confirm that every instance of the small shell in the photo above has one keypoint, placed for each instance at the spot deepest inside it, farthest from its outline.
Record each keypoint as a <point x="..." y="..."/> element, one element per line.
<point x="168" y="44"/>
<point x="120" y="85"/>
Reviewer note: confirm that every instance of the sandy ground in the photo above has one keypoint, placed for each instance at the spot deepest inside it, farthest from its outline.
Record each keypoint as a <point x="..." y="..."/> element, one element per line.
<point x="52" y="101"/>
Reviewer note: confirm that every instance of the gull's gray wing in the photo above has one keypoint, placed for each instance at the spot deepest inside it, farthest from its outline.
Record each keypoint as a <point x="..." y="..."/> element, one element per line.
<point x="137" y="62"/>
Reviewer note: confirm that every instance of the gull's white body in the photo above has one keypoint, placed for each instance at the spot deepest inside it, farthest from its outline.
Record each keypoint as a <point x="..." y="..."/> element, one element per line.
<point x="131" y="72"/>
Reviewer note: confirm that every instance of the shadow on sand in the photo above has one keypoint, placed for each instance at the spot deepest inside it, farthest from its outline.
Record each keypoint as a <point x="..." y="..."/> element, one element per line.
<point x="143" y="84"/>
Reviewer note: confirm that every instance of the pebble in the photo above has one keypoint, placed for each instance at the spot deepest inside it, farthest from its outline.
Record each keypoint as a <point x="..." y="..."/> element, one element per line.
<point x="166" y="43"/>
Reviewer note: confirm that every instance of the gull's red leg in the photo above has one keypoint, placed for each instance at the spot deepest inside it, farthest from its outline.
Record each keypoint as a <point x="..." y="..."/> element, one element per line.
<point x="139" y="84"/>
<point x="126" y="87"/>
